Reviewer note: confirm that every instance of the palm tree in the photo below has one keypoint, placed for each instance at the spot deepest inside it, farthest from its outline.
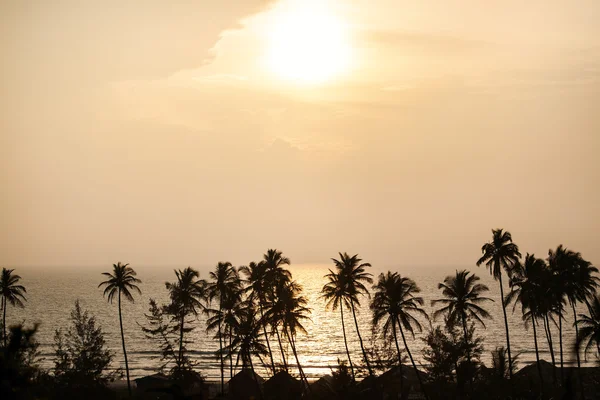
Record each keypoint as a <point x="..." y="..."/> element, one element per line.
<point x="352" y="274"/>
<point x="256" y="284"/>
<point x="247" y="339"/>
<point x="225" y="285"/>
<point x="527" y="289"/>
<point x="462" y="296"/>
<point x="11" y="293"/>
<point x="395" y="304"/>
<point x="121" y="281"/>
<point x="589" y="328"/>
<point x="576" y="278"/>
<point x="187" y="295"/>
<point x="276" y="276"/>
<point x="501" y="254"/>
<point x="291" y="309"/>
<point x="335" y="294"/>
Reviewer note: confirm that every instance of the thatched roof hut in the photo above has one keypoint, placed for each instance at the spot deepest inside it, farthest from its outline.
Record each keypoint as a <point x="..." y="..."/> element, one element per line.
<point x="283" y="386"/>
<point x="245" y="385"/>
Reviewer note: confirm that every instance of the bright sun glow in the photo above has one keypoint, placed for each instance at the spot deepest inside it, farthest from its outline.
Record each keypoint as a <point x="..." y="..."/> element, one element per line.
<point x="307" y="43"/>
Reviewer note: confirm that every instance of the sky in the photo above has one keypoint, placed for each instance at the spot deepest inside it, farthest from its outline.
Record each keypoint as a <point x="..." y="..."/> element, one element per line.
<point x="196" y="132"/>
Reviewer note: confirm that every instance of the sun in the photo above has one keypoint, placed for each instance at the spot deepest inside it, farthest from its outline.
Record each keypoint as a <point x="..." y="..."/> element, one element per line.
<point x="307" y="43"/>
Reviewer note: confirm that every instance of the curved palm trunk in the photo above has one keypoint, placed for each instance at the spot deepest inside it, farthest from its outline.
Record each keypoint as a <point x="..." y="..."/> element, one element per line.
<point x="537" y="354"/>
<point x="560" y="343"/>
<point x="123" y="343"/>
<point x="412" y="361"/>
<point x="360" y="340"/>
<point x="230" y="355"/>
<point x="264" y="325"/>
<point x="506" y="328"/>
<point x="180" y="361"/>
<point x="285" y="365"/>
<point x="254" y="376"/>
<point x="300" y="369"/>
<point x="399" y="358"/>
<point x="221" y="350"/>
<point x="550" y="347"/>
<point x="346" y="341"/>
<point x="577" y="350"/>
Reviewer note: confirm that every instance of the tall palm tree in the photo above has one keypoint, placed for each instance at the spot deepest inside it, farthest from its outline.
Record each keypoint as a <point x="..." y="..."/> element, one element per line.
<point x="527" y="289"/>
<point x="187" y="295"/>
<point x="335" y="294"/>
<point x="589" y="328"/>
<point x="501" y="254"/>
<point x="276" y="276"/>
<point x="575" y="278"/>
<point x="225" y="285"/>
<point x="462" y="296"/>
<point x="396" y="303"/>
<point x="353" y="277"/>
<point x="292" y="311"/>
<point x="256" y="289"/>
<point x="11" y="293"/>
<point x="122" y="281"/>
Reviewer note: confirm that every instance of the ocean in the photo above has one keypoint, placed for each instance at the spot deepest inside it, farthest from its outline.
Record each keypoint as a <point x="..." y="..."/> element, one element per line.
<point x="51" y="294"/>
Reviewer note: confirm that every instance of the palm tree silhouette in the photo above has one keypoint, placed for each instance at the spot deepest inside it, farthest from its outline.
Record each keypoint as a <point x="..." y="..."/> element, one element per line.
<point x="247" y="340"/>
<point x="276" y="276"/>
<point x="528" y="291"/>
<point x="121" y="281"/>
<point x="225" y="285"/>
<point x="501" y="254"/>
<point x="336" y="295"/>
<point x="462" y="296"/>
<point x="589" y="328"/>
<point x="576" y="280"/>
<point x="291" y="309"/>
<point x="351" y="275"/>
<point x="11" y="293"/>
<point x="395" y="303"/>
<point x="256" y="284"/>
<point x="187" y="296"/>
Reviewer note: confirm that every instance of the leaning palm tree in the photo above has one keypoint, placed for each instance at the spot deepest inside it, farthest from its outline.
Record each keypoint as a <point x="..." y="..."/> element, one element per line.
<point x="276" y="276"/>
<point x="336" y="295"/>
<point x="256" y="290"/>
<point x="121" y="281"/>
<point x="589" y="328"/>
<point x="501" y="254"/>
<point x="576" y="278"/>
<point x="224" y="285"/>
<point x="292" y="310"/>
<point x="462" y="296"/>
<point x="352" y="279"/>
<point x="187" y="295"/>
<point x="527" y="289"/>
<point x="395" y="304"/>
<point x="11" y="293"/>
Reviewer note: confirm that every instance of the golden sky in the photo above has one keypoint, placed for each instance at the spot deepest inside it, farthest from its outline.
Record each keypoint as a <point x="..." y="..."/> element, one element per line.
<point x="193" y="132"/>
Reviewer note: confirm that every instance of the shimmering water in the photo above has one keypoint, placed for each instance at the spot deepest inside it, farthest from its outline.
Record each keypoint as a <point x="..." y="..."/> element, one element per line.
<point x="51" y="294"/>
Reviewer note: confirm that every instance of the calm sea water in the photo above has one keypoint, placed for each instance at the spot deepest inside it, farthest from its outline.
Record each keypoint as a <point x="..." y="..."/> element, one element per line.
<point x="51" y="294"/>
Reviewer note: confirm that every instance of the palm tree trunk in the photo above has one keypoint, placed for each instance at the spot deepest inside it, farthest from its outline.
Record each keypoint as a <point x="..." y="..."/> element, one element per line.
<point x="346" y="341"/>
<point x="360" y="340"/>
<point x="285" y="366"/>
<point x="264" y="325"/>
<point x="123" y="343"/>
<point x="550" y="347"/>
<point x="560" y="343"/>
<point x="506" y="327"/>
<point x="221" y="350"/>
<point x="577" y="350"/>
<point x="537" y="353"/>
<point x="412" y="361"/>
<point x="180" y="361"/>
<point x="300" y="370"/>
<point x="399" y="358"/>
<point x="230" y="355"/>
<point x="254" y="376"/>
